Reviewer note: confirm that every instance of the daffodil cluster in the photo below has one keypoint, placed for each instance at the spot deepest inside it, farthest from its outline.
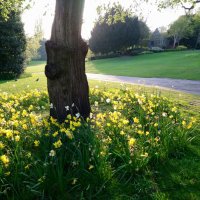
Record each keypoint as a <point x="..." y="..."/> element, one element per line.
<point x="137" y="128"/>
<point x="125" y="131"/>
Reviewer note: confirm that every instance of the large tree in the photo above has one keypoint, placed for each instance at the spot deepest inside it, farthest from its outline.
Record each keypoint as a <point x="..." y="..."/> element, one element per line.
<point x="116" y="29"/>
<point x="65" y="70"/>
<point x="179" y="29"/>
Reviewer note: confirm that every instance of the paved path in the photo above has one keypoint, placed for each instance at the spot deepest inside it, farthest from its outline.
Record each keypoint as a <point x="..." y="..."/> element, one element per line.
<point x="187" y="86"/>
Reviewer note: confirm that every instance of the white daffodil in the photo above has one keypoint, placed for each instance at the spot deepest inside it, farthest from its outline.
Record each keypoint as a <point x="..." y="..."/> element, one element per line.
<point x="67" y="108"/>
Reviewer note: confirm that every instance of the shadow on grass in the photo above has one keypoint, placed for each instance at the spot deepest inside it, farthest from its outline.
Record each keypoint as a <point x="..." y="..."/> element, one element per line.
<point x="23" y="76"/>
<point x="178" y="178"/>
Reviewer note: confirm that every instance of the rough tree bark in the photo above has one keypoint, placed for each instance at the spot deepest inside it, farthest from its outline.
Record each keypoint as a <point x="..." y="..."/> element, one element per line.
<point x="65" y="70"/>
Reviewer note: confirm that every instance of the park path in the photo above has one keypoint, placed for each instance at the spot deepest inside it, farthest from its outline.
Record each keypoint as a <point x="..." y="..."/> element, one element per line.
<point x="188" y="86"/>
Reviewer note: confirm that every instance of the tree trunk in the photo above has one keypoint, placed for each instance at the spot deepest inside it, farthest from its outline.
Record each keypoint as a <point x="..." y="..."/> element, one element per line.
<point x="65" y="70"/>
<point x="174" y="45"/>
<point x="198" y="41"/>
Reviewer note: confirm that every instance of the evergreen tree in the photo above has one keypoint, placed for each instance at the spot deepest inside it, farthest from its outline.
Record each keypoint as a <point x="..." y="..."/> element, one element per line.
<point x="12" y="46"/>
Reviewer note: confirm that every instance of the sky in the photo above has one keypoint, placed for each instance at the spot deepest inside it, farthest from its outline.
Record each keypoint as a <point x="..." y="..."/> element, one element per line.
<point x="43" y="10"/>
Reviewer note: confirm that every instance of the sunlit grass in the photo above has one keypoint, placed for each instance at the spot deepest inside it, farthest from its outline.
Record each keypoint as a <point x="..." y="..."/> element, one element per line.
<point x="177" y="65"/>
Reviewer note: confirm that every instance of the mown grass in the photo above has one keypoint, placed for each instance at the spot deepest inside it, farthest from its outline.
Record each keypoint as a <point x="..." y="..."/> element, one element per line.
<point x="177" y="65"/>
<point x="174" y="177"/>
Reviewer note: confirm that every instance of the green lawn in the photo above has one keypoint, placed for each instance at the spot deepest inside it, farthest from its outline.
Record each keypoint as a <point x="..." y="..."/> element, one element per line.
<point x="177" y="65"/>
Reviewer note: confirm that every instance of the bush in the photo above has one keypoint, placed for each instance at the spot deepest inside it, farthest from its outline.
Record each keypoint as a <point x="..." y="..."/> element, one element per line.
<point x="12" y="47"/>
<point x="181" y="47"/>
<point x="111" y="55"/>
<point x="156" y="49"/>
<point x="136" y="51"/>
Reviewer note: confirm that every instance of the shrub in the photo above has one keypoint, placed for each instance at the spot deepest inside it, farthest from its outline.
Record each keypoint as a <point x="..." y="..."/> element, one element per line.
<point x="156" y="49"/>
<point x="181" y="47"/>
<point x="12" y="47"/>
<point x="110" y="55"/>
<point x="135" y="51"/>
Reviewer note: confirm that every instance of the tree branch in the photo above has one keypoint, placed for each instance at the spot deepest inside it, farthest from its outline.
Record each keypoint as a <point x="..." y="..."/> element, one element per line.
<point x="190" y="7"/>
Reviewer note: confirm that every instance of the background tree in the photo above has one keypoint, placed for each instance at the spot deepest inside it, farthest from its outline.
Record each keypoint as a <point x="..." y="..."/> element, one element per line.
<point x="12" y="46"/>
<point x="188" y="5"/>
<point x="115" y="30"/>
<point x="42" y="51"/>
<point x="144" y="33"/>
<point x="192" y="39"/>
<point x="179" y="29"/>
<point x="34" y="43"/>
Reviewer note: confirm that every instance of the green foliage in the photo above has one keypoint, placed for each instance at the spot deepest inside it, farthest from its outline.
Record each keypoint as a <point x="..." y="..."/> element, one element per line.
<point x="144" y="33"/>
<point x="112" y="155"/>
<point x="193" y="38"/>
<point x="186" y="31"/>
<point x="180" y="29"/>
<point x="157" y="49"/>
<point x="116" y="29"/>
<point x="12" y="47"/>
<point x="42" y="50"/>
<point x="34" y="44"/>
<point x="188" y="5"/>
<point x="9" y="6"/>
<point x="181" y="47"/>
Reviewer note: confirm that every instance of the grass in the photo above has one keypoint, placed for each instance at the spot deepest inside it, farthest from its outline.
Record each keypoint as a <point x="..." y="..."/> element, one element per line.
<point x="177" y="65"/>
<point x="189" y="104"/>
<point x="175" y="177"/>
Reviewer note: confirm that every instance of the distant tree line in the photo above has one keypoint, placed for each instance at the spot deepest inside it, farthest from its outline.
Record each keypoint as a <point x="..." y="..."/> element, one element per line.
<point x="185" y="31"/>
<point x="118" y="30"/>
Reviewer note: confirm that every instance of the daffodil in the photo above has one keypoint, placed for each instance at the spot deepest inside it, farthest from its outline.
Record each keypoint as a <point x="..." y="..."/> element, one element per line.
<point x="91" y="167"/>
<point x="122" y="133"/>
<point x="2" y="145"/>
<point x="52" y="153"/>
<point x="131" y="142"/>
<point x="5" y="160"/>
<point x="17" y="138"/>
<point x="136" y="120"/>
<point x="36" y="143"/>
<point x="74" y="181"/>
<point x="155" y="125"/>
<point x="57" y="144"/>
